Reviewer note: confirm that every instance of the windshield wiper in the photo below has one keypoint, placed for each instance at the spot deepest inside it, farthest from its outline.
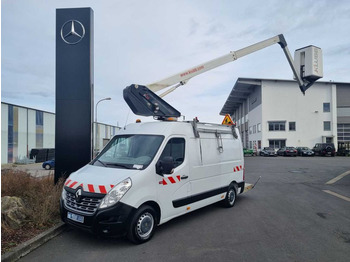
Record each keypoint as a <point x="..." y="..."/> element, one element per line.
<point x="102" y="163"/>
<point x="118" y="165"/>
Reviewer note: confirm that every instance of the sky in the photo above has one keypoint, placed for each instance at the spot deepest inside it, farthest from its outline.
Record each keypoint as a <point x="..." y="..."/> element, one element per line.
<point x="141" y="42"/>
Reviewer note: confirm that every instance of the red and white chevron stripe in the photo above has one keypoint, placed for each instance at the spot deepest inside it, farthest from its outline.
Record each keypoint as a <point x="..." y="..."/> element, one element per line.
<point x="237" y="168"/>
<point x="170" y="180"/>
<point x="101" y="189"/>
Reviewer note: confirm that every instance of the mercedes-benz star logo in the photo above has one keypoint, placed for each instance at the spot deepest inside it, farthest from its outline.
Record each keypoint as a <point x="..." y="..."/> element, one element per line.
<point x="72" y="32"/>
<point x="78" y="195"/>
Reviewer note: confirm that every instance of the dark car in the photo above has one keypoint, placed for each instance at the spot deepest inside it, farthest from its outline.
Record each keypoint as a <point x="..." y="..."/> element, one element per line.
<point x="49" y="164"/>
<point x="287" y="151"/>
<point x="305" y="151"/>
<point x="268" y="151"/>
<point x="324" y="149"/>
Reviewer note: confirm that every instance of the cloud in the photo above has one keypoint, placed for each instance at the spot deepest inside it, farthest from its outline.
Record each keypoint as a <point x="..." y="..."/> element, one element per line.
<point x="145" y="41"/>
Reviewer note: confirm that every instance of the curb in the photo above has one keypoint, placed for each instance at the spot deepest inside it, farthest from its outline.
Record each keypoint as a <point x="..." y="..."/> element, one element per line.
<point x="28" y="246"/>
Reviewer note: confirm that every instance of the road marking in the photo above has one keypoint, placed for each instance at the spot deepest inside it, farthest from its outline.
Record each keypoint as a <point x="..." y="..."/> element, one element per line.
<point x="337" y="195"/>
<point x="332" y="181"/>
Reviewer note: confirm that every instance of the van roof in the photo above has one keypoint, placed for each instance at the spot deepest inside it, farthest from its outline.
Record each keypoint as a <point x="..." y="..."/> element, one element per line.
<point x="157" y="128"/>
<point x="172" y="128"/>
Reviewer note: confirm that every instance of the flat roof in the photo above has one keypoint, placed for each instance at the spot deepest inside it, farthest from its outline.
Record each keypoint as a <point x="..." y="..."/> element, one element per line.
<point x="25" y="107"/>
<point x="245" y="86"/>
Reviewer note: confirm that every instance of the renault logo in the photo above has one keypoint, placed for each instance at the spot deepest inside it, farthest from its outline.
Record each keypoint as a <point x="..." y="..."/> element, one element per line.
<point x="78" y="195"/>
<point x="72" y="32"/>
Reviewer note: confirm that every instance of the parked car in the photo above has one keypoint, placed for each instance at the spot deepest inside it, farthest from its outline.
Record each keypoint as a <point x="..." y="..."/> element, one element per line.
<point x="268" y="151"/>
<point x="343" y="149"/>
<point x="248" y="152"/>
<point x="287" y="151"/>
<point x="49" y="164"/>
<point x="305" y="151"/>
<point x="324" y="149"/>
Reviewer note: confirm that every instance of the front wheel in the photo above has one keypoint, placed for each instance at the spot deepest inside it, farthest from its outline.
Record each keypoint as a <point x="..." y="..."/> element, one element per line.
<point x="47" y="167"/>
<point x="142" y="225"/>
<point x="231" y="195"/>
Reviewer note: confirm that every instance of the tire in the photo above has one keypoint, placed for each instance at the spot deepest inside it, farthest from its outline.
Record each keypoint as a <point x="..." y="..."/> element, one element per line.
<point x="47" y="167"/>
<point x="231" y="196"/>
<point x="143" y="225"/>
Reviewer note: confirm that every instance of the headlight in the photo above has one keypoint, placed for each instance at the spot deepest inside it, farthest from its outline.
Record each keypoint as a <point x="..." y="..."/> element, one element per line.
<point x="117" y="192"/>
<point x="63" y="195"/>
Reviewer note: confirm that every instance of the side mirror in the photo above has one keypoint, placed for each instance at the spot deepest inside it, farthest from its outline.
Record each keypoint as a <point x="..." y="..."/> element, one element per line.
<point x="165" y="165"/>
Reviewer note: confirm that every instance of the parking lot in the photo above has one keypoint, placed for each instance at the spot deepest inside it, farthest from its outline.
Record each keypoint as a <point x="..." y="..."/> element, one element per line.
<point x="289" y="216"/>
<point x="35" y="169"/>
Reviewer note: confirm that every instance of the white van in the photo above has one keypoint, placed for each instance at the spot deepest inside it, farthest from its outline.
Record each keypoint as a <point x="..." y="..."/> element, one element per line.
<point x="152" y="172"/>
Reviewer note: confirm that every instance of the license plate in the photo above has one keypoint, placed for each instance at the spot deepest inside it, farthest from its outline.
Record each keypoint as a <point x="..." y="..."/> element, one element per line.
<point x="75" y="217"/>
<point x="328" y="153"/>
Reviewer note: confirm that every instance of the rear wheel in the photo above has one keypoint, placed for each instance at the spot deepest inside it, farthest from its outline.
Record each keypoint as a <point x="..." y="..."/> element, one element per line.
<point x="142" y="225"/>
<point x="231" y="196"/>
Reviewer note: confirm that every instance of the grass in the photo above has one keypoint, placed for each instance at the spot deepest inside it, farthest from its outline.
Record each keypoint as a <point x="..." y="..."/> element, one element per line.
<point x="41" y="200"/>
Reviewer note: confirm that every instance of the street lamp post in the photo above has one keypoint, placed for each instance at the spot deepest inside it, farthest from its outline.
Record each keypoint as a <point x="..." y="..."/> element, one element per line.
<point x="95" y="147"/>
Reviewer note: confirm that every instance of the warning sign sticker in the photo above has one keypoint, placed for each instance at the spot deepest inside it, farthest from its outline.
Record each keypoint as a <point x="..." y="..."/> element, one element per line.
<point x="227" y="120"/>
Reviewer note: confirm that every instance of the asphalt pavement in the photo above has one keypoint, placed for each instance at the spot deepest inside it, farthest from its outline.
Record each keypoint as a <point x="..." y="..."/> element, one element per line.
<point x="288" y="216"/>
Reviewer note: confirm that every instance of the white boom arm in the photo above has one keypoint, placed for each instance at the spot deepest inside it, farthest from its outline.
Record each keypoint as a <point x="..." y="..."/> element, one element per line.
<point x="183" y="77"/>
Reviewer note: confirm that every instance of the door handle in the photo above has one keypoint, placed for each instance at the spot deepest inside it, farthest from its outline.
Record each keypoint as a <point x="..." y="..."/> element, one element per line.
<point x="184" y="177"/>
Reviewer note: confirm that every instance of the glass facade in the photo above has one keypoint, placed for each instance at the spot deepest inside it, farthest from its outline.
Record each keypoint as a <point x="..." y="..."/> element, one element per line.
<point x="343" y="132"/>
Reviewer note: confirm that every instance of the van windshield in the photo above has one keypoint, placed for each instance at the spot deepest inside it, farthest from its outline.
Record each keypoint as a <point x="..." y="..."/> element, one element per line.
<point x="129" y="151"/>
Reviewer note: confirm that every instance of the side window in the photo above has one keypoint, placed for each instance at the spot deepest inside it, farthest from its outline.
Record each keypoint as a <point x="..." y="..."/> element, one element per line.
<point x="175" y="148"/>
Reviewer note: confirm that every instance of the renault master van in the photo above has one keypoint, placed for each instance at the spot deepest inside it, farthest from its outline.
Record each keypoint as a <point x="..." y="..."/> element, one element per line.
<point x="152" y="172"/>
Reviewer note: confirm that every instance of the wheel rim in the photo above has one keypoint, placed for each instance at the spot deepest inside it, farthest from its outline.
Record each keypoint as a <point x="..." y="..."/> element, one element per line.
<point x="47" y="167"/>
<point x="231" y="196"/>
<point x="145" y="225"/>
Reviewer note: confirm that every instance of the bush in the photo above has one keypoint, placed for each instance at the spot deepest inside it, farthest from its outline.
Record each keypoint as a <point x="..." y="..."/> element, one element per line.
<point x="41" y="199"/>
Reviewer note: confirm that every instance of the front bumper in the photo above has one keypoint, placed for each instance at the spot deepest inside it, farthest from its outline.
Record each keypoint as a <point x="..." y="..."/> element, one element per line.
<point x="269" y="154"/>
<point x="111" y="221"/>
<point x="307" y="153"/>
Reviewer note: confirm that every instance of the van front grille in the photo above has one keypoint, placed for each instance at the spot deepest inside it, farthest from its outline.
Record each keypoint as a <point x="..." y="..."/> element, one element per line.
<point x="87" y="205"/>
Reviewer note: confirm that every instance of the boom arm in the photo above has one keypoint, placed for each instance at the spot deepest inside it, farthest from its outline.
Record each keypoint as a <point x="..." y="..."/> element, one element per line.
<point x="183" y="77"/>
<point x="143" y="101"/>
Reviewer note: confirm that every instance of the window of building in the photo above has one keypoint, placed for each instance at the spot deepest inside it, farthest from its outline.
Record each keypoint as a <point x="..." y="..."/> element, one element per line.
<point x="175" y="148"/>
<point x="292" y="126"/>
<point x="39" y="131"/>
<point x="329" y="139"/>
<point x="250" y="130"/>
<point x="277" y="143"/>
<point x="326" y="107"/>
<point x="254" y="129"/>
<point x="277" y="126"/>
<point x="259" y="128"/>
<point x="327" y="125"/>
